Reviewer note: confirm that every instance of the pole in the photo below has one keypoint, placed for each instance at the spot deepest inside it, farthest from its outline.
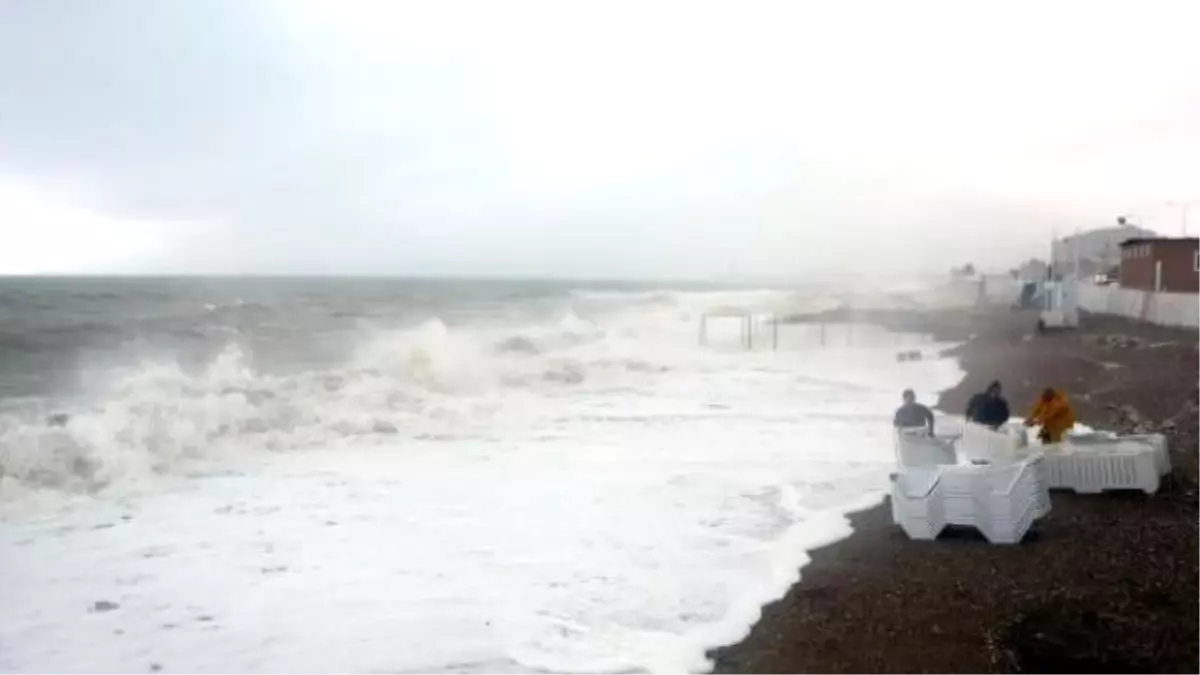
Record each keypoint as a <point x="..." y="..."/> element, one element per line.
<point x="1075" y="246"/>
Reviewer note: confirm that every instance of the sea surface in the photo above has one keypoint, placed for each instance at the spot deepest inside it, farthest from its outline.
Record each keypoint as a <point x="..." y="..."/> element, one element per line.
<point x="371" y="475"/>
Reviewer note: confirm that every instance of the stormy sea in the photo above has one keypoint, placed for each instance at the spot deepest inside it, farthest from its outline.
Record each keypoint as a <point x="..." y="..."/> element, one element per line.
<point x="368" y="475"/>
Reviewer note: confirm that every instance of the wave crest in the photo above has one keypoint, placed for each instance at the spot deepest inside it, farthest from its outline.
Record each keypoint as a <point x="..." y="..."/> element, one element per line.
<point x="426" y="382"/>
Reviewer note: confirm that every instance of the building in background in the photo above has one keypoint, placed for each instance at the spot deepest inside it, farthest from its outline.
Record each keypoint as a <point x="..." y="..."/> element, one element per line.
<point x="1033" y="270"/>
<point x="1096" y="252"/>
<point x="1171" y="265"/>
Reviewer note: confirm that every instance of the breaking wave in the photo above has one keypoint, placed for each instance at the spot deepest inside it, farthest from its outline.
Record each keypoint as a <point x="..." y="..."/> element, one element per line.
<point x="158" y="412"/>
<point x="161" y="417"/>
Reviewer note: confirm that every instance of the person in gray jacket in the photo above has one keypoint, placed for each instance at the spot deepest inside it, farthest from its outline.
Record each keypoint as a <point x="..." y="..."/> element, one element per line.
<point x="912" y="414"/>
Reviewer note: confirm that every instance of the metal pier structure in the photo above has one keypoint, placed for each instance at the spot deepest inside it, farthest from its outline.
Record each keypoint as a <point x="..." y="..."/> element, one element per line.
<point x="756" y="327"/>
<point x="747" y="325"/>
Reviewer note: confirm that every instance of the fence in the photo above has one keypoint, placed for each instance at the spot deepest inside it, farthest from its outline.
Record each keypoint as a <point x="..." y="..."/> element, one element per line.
<point x="1165" y="309"/>
<point x="766" y="331"/>
<point x="749" y="325"/>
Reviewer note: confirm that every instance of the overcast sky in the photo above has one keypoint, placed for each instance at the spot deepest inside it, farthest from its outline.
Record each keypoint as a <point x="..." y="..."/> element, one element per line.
<point x="585" y="139"/>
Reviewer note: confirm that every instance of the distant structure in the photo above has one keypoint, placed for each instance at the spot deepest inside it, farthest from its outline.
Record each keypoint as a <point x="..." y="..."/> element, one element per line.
<point x="1170" y="265"/>
<point x="1033" y="270"/>
<point x="747" y="321"/>
<point x="1087" y="254"/>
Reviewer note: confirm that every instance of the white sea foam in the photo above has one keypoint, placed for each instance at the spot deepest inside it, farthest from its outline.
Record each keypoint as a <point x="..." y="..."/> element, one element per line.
<point x="607" y="497"/>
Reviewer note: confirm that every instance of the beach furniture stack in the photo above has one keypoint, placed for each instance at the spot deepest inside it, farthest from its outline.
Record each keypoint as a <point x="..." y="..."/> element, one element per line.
<point x="1002" y="502"/>
<point x="1008" y="444"/>
<point x="1158" y="443"/>
<point x="1092" y="463"/>
<point x="915" y="448"/>
<point x="997" y="482"/>
<point x="987" y="479"/>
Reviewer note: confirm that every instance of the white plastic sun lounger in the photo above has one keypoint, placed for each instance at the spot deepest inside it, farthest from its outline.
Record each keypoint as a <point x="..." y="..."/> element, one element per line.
<point x="1002" y="502"/>
<point x="1095" y="463"/>
<point x="915" y="448"/>
<point x="982" y="444"/>
<point x="1162" y="459"/>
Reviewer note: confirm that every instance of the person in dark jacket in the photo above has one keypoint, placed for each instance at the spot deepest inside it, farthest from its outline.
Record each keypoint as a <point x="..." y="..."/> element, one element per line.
<point x="989" y="407"/>
<point x="913" y="414"/>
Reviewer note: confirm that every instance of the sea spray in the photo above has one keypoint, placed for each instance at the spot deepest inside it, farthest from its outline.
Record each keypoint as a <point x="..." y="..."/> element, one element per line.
<point x="614" y="498"/>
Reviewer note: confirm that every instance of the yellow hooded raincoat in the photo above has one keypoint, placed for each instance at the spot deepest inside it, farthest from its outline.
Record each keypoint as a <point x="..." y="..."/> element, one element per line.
<point x="1055" y="415"/>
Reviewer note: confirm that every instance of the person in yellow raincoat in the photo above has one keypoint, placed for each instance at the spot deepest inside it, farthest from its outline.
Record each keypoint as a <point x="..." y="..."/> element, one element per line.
<point x="1053" y="411"/>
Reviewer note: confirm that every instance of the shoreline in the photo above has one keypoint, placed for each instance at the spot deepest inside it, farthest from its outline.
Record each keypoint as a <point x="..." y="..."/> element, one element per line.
<point x="1105" y="583"/>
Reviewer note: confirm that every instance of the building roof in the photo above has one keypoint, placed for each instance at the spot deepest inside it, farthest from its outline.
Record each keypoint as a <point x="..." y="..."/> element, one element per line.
<point x="1160" y="240"/>
<point x="1109" y="232"/>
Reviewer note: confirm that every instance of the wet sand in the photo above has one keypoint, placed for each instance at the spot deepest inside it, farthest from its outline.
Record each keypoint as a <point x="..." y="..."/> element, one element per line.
<point x="1106" y="583"/>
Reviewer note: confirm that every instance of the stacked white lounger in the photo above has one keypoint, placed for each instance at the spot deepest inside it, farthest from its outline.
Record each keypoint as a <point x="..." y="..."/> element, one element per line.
<point x="983" y="444"/>
<point x="916" y="448"/>
<point x="1001" y="498"/>
<point x="1000" y="501"/>
<point x="1097" y="462"/>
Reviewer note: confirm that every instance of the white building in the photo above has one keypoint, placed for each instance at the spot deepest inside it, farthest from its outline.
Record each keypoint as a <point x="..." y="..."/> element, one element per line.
<point x="1097" y="251"/>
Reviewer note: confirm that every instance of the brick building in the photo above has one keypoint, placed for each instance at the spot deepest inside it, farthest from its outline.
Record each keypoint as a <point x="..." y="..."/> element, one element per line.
<point x="1171" y="265"/>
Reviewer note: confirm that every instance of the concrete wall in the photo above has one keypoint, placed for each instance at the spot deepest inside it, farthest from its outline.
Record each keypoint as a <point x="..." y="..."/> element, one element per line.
<point x="1164" y="309"/>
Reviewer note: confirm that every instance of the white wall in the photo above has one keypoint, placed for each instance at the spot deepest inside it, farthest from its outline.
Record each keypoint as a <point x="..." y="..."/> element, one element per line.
<point x="1164" y="309"/>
